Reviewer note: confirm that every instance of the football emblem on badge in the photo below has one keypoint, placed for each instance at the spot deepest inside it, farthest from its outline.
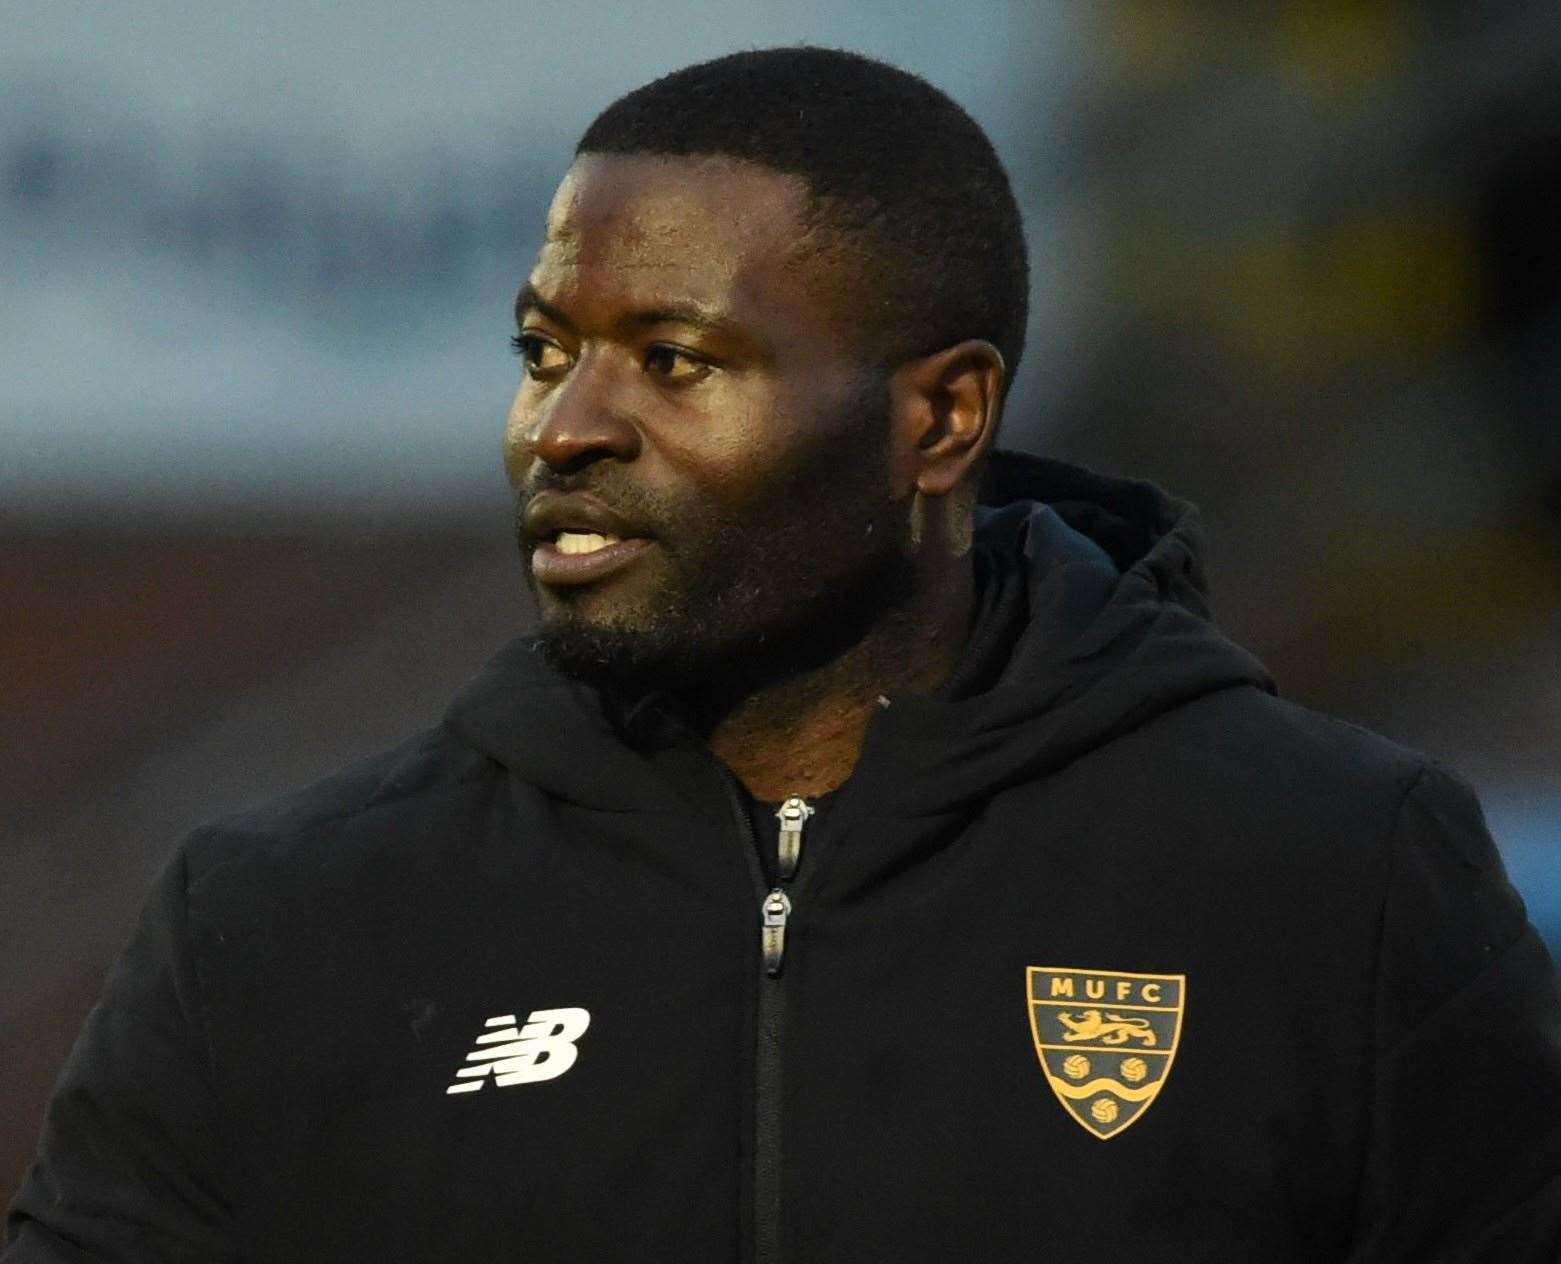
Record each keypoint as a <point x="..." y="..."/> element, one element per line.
<point x="1106" y="1040"/>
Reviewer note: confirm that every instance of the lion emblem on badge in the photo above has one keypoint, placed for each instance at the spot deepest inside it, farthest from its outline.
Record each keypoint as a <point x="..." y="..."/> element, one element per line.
<point x="1108" y="1029"/>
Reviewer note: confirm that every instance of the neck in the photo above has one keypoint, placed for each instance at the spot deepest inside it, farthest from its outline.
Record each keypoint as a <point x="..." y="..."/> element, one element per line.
<point x="803" y="735"/>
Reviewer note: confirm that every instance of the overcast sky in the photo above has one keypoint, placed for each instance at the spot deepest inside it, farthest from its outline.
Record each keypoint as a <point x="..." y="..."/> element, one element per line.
<point x="262" y="250"/>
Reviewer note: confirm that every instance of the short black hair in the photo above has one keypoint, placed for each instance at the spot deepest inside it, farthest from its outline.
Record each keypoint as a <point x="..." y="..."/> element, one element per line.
<point x="896" y="170"/>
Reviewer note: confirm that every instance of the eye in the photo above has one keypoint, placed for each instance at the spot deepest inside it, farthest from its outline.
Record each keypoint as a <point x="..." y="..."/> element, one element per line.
<point x="544" y="358"/>
<point x="675" y="366"/>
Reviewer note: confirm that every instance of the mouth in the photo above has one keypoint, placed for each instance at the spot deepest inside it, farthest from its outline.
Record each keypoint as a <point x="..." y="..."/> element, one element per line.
<point x="582" y="543"/>
<point x="582" y="557"/>
<point x="578" y="540"/>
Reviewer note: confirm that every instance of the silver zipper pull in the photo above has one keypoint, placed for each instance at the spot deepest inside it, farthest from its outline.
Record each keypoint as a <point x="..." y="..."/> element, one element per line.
<point x="775" y="910"/>
<point x="793" y="815"/>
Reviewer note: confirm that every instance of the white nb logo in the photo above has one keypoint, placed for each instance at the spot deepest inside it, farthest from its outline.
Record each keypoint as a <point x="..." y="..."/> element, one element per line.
<point x="541" y="1050"/>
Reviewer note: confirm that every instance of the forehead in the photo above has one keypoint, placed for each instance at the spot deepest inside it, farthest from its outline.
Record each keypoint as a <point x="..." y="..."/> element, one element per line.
<point x="645" y="229"/>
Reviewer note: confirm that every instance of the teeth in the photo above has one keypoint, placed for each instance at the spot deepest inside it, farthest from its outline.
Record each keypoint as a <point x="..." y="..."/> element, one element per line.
<point x="583" y="541"/>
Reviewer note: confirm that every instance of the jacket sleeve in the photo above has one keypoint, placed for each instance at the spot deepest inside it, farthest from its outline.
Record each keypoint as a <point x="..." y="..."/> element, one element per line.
<point x="129" y="1161"/>
<point x="1464" y="1155"/>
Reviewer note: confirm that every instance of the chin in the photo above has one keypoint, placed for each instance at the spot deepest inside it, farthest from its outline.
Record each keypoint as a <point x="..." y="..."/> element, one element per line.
<point x="614" y="654"/>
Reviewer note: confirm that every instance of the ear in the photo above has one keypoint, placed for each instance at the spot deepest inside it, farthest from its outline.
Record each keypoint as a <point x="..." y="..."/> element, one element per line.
<point x="945" y="414"/>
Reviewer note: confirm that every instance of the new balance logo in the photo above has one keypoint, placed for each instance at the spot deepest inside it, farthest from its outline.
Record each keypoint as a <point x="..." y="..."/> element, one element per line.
<point x="541" y="1050"/>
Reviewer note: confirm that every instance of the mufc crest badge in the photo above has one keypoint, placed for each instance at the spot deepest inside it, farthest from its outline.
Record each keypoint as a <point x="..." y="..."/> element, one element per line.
<point x="1106" y="1040"/>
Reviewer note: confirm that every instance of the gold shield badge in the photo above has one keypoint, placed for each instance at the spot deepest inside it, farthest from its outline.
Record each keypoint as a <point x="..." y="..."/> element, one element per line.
<point x="1106" y="1040"/>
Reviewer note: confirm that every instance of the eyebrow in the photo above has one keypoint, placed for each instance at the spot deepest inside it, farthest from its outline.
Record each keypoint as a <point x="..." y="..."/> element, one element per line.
<point x="693" y="315"/>
<point x="528" y="300"/>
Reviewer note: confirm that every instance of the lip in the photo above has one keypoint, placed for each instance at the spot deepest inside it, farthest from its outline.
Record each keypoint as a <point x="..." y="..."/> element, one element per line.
<point x="550" y="512"/>
<point x="550" y="566"/>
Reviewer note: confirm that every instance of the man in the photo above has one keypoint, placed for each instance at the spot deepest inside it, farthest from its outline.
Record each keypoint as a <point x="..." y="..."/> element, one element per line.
<point x="842" y="873"/>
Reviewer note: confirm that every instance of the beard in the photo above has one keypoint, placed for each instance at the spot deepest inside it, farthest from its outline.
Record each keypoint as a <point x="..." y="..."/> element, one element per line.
<point x="749" y="594"/>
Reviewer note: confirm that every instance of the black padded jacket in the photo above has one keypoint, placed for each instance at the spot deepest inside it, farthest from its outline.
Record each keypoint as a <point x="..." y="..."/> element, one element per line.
<point x="1103" y="952"/>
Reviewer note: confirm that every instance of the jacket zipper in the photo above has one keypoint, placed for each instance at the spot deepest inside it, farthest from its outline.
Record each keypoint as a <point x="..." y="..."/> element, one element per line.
<point x="775" y="910"/>
<point x="793" y="816"/>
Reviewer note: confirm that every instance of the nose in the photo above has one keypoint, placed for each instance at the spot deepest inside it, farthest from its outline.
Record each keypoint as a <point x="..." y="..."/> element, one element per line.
<point x="575" y="425"/>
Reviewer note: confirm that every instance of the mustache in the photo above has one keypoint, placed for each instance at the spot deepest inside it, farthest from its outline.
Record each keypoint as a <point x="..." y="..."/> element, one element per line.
<point x="645" y="513"/>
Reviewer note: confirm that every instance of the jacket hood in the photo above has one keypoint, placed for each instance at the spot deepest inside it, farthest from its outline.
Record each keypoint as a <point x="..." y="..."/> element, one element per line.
<point x="1094" y="619"/>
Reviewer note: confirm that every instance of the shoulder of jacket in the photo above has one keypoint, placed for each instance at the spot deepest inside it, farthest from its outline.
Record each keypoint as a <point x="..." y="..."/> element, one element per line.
<point x="1313" y="792"/>
<point x="427" y="765"/>
<point x="1258" y="734"/>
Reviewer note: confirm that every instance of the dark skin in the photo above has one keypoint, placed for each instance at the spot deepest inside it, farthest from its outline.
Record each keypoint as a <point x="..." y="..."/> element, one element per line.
<point x="684" y="343"/>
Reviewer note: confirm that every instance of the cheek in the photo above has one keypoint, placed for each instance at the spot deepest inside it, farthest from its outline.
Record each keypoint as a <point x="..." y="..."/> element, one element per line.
<point x="517" y="451"/>
<point x="733" y="443"/>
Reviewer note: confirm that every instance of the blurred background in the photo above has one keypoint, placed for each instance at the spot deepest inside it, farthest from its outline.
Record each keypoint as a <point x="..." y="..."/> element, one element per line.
<point x="1299" y="262"/>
